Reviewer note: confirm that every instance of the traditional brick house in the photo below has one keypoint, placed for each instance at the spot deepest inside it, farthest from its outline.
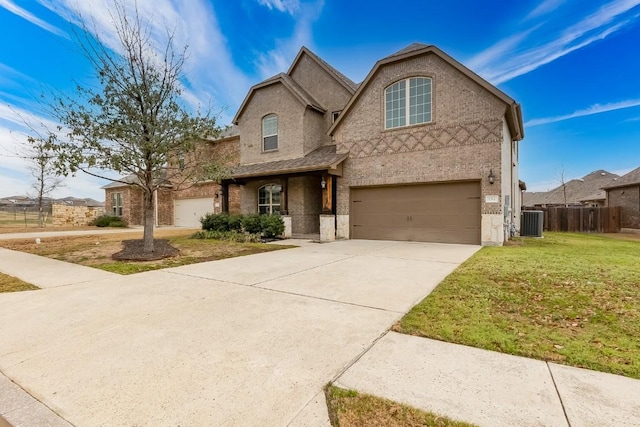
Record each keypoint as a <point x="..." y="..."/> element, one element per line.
<point x="423" y="149"/>
<point x="625" y="192"/>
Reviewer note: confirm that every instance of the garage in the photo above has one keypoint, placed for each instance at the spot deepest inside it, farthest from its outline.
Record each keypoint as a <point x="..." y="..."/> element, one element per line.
<point x="187" y="212"/>
<point x="446" y="212"/>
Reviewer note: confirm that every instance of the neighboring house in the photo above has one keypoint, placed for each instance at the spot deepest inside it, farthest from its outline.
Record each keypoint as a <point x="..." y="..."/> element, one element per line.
<point x="585" y="191"/>
<point x="625" y="192"/>
<point x="423" y="149"/>
<point x="181" y="205"/>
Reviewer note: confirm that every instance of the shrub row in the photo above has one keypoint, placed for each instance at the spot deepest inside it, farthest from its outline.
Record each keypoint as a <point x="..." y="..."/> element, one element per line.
<point x="109" y="221"/>
<point x="230" y="236"/>
<point x="268" y="226"/>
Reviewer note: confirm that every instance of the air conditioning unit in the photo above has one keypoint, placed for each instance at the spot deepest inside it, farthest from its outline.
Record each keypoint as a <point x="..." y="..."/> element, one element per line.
<point x="531" y="223"/>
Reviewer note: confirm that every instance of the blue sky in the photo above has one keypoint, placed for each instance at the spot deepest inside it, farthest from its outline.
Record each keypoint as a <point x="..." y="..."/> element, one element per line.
<point x="572" y="64"/>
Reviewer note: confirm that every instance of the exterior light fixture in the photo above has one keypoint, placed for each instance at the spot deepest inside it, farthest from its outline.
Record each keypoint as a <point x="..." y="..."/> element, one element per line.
<point x="492" y="177"/>
<point x="323" y="183"/>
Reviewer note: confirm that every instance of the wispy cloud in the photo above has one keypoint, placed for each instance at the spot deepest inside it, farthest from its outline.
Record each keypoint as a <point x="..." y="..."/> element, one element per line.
<point x="211" y="74"/>
<point x="25" y="14"/>
<point x="594" y="109"/>
<point x="528" y="50"/>
<point x="287" y="6"/>
<point x="544" y="8"/>
<point x="278" y="60"/>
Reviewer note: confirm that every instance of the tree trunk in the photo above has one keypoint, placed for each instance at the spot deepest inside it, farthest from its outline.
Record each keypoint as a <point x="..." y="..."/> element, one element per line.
<point x="148" y="221"/>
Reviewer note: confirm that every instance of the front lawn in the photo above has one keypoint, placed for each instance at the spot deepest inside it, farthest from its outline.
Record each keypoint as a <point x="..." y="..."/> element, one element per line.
<point x="96" y="250"/>
<point x="13" y="284"/>
<point x="566" y="298"/>
<point x="348" y="408"/>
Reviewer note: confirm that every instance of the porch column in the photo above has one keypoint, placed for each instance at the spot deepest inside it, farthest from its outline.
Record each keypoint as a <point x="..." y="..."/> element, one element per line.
<point x="284" y="196"/>
<point x="225" y="196"/>
<point x="327" y="194"/>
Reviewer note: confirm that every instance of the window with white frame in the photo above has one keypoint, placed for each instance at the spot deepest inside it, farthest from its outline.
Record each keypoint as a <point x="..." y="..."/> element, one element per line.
<point x="269" y="199"/>
<point x="270" y="132"/>
<point x="116" y="204"/>
<point x="408" y="102"/>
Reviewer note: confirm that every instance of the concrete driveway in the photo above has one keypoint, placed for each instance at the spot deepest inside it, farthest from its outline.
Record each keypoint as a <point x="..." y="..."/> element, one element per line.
<point x="244" y="341"/>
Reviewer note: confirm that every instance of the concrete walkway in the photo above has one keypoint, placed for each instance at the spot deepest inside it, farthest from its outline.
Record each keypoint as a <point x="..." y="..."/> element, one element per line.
<point x="48" y="232"/>
<point x="253" y="341"/>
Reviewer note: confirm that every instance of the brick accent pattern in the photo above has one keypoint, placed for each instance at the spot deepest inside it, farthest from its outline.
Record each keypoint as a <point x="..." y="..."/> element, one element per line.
<point x="425" y="138"/>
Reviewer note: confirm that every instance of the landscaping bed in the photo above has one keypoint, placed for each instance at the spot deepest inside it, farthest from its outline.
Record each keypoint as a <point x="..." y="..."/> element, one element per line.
<point x="97" y="250"/>
<point x="567" y="298"/>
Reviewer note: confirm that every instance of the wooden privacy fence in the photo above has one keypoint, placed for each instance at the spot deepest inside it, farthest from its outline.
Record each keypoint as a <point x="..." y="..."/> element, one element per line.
<point x="582" y="219"/>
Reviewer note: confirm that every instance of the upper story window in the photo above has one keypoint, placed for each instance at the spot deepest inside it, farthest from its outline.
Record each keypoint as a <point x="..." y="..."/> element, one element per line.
<point x="408" y="102"/>
<point x="270" y="132"/>
<point x="116" y="204"/>
<point x="269" y="199"/>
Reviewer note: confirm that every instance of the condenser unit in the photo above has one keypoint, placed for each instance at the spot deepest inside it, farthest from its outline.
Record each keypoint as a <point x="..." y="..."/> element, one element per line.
<point x="531" y="223"/>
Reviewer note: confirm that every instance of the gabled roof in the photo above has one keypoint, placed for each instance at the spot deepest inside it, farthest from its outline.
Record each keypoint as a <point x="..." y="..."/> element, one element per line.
<point x="632" y="178"/>
<point x="513" y="114"/>
<point x="321" y="158"/>
<point x="131" y="179"/>
<point x="296" y="90"/>
<point x="577" y="190"/>
<point x="345" y="81"/>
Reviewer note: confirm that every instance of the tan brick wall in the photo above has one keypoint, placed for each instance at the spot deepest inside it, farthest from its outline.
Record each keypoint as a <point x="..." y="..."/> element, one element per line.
<point x="628" y="198"/>
<point x="274" y="99"/>
<point x="74" y="216"/>
<point x="463" y="142"/>
<point x="323" y="88"/>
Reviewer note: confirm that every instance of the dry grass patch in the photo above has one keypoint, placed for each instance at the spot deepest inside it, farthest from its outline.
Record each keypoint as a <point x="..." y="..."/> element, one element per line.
<point x="349" y="408"/>
<point x="13" y="284"/>
<point x="96" y="250"/>
<point x="567" y="298"/>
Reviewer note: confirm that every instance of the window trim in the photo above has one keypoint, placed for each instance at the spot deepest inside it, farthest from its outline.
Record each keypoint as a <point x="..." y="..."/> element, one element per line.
<point x="264" y="136"/>
<point x="407" y="102"/>
<point x="270" y="205"/>
<point x="117" y="204"/>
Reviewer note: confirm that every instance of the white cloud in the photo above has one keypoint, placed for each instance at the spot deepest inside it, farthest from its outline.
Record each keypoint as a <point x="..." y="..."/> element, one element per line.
<point x="511" y="57"/>
<point x="211" y="74"/>
<point x="544" y="8"/>
<point x="287" y="6"/>
<point x="594" y="109"/>
<point x="15" y="9"/>
<point x="278" y="60"/>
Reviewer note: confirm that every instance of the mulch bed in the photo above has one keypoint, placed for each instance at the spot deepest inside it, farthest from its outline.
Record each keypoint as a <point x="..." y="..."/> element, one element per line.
<point x="134" y="251"/>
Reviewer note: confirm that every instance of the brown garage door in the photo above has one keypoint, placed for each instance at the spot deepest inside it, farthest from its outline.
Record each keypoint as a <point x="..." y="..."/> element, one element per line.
<point x="448" y="213"/>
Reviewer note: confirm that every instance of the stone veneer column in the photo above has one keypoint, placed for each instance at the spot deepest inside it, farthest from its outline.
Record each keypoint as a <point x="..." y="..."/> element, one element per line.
<point x="327" y="228"/>
<point x="287" y="226"/>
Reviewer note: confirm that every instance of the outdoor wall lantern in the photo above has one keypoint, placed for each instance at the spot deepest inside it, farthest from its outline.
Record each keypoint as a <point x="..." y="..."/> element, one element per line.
<point x="492" y="177"/>
<point x="323" y="183"/>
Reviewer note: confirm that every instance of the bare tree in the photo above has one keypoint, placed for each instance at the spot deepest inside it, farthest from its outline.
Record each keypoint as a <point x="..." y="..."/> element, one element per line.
<point x="40" y="159"/>
<point x="135" y="123"/>
<point x="563" y="183"/>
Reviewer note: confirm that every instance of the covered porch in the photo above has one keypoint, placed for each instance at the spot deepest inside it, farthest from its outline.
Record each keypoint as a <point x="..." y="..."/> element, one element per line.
<point x="302" y="190"/>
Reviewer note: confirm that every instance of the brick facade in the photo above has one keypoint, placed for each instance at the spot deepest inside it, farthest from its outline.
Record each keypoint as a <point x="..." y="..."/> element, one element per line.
<point x="462" y="142"/>
<point x="133" y="205"/>
<point x="628" y="198"/>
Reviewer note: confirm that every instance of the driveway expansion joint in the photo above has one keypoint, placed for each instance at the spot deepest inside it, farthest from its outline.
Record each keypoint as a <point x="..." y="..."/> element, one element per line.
<point x="555" y="386"/>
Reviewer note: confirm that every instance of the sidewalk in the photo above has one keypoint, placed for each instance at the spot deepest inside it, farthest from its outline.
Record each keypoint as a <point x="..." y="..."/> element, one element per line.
<point x="48" y="232"/>
<point x="489" y="388"/>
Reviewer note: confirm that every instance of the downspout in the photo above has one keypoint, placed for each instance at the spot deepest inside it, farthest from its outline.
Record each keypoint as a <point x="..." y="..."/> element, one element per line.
<point x="155" y="206"/>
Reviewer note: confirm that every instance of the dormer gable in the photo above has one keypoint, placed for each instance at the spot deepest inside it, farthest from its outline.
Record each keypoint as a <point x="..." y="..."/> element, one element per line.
<point x="340" y="78"/>
<point x="298" y="92"/>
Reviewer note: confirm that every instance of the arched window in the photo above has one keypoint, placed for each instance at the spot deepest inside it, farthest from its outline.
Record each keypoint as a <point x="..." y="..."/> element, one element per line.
<point x="269" y="199"/>
<point x="270" y="132"/>
<point x="408" y="102"/>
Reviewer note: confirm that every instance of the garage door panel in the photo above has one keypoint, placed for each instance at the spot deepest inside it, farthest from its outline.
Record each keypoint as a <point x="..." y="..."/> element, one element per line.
<point x="448" y="212"/>
<point x="187" y="212"/>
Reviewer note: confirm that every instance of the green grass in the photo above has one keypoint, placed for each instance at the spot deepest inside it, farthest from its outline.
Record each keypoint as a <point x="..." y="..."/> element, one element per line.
<point x="348" y="408"/>
<point x="567" y="298"/>
<point x="13" y="284"/>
